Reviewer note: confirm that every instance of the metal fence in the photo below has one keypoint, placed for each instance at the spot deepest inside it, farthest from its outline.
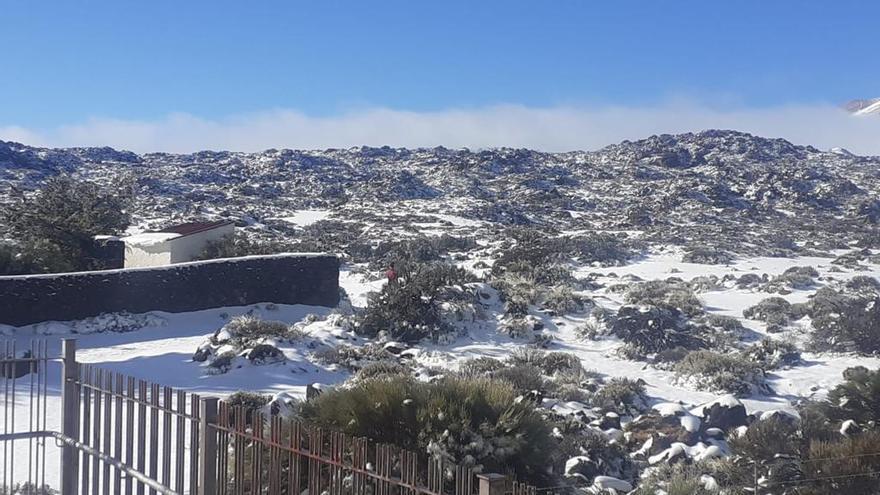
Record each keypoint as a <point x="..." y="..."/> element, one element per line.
<point x="119" y="434"/>
<point x="24" y="375"/>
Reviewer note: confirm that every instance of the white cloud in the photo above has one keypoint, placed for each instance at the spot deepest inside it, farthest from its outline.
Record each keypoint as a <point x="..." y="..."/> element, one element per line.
<point x="552" y="129"/>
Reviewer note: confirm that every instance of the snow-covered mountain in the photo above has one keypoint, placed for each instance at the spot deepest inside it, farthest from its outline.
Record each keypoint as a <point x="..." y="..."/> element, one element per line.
<point x="742" y="192"/>
<point x="864" y="107"/>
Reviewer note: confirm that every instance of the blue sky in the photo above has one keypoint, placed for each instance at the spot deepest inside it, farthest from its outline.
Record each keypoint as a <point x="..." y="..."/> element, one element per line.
<point x="70" y="64"/>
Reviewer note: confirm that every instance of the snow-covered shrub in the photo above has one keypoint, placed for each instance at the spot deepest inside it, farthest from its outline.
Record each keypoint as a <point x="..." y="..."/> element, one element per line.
<point x="665" y="294"/>
<point x="410" y="309"/>
<point x="382" y="369"/>
<point x="480" y="365"/>
<point x="772" y="354"/>
<point x="353" y="357"/>
<point x="704" y="283"/>
<point x="518" y="292"/>
<point x="247" y="330"/>
<point x="857" y="398"/>
<point x="591" y="454"/>
<point x="601" y="247"/>
<point x="680" y="479"/>
<point x="549" y="363"/>
<point x="262" y="354"/>
<point x="714" y="372"/>
<point x="27" y="488"/>
<point x="650" y="329"/>
<point x="221" y="363"/>
<point x="863" y="284"/>
<point x="775" y="311"/>
<point x="588" y="330"/>
<point x="560" y="299"/>
<point x="250" y="401"/>
<point x="472" y="421"/>
<point x="845" y="322"/>
<point x="520" y="326"/>
<point x="750" y="281"/>
<point x="796" y="277"/>
<point x="707" y="256"/>
<point x="524" y="378"/>
<point x="621" y="395"/>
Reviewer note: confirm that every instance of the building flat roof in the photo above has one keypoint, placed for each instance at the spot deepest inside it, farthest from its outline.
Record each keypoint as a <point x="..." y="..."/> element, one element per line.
<point x="193" y="227"/>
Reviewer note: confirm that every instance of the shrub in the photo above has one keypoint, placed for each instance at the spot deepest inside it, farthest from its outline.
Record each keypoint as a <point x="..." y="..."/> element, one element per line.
<point x="561" y="300"/>
<point x="771" y="354"/>
<point x="710" y="371"/>
<point x="844" y="322"/>
<point x="707" y="256"/>
<point x="767" y="439"/>
<point x="678" y="479"/>
<point x="773" y="310"/>
<point x="840" y="466"/>
<point x="473" y="421"/>
<point x="248" y="400"/>
<point x="15" y="262"/>
<point x="857" y="398"/>
<point x="621" y="395"/>
<point x="523" y="378"/>
<point x="665" y="294"/>
<point x="409" y="310"/>
<point x="549" y="363"/>
<point x="480" y="366"/>
<point x="246" y="331"/>
<point x="796" y="277"/>
<point x="351" y="357"/>
<point x="649" y="330"/>
<point x="863" y="283"/>
<point x="382" y="369"/>
<point x="600" y="247"/>
<point x="57" y="224"/>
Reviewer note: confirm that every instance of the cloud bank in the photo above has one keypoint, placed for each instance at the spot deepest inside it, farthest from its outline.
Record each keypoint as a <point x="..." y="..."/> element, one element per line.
<point x="561" y="128"/>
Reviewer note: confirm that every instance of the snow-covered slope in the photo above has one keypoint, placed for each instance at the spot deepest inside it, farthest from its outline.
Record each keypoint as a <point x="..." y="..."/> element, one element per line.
<point x="864" y="107"/>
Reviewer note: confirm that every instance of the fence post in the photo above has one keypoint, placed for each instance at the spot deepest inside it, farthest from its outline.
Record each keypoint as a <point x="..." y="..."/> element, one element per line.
<point x="208" y="453"/>
<point x="492" y="484"/>
<point x="70" y="403"/>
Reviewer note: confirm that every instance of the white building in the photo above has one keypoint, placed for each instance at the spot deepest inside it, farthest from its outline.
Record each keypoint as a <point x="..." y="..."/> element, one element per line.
<point x="176" y="244"/>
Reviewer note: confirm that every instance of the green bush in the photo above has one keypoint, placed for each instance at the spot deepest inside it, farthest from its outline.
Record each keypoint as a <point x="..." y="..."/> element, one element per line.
<point x="857" y="398"/>
<point x="845" y="322"/>
<point x="707" y="256"/>
<point x="621" y="395"/>
<point x="470" y="420"/>
<point x="772" y="354"/>
<point x="56" y="225"/>
<point x="649" y="329"/>
<point x="715" y="372"/>
<point x="246" y="331"/>
<point x="561" y="300"/>
<point x="248" y="400"/>
<point x="409" y="309"/>
<point x="775" y="311"/>
<point x="665" y="294"/>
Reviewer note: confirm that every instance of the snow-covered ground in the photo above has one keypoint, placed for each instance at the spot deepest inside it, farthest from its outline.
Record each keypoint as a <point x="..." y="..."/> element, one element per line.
<point x="161" y="350"/>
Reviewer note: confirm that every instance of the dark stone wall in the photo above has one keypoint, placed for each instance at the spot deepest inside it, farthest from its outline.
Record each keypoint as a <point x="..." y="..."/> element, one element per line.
<point x="281" y="279"/>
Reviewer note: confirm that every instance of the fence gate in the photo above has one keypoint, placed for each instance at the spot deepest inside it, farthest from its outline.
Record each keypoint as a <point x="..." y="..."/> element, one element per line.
<point x="122" y="435"/>
<point x="23" y="393"/>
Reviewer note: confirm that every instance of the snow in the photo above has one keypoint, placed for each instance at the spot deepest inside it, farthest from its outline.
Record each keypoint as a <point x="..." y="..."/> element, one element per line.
<point x="303" y="218"/>
<point x="149" y="239"/>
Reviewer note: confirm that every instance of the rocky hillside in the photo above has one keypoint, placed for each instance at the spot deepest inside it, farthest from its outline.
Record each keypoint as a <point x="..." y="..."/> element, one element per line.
<point x="735" y="191"/>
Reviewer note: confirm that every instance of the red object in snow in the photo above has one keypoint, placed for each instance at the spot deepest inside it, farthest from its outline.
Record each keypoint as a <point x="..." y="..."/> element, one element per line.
<point x="391" y="274"/>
